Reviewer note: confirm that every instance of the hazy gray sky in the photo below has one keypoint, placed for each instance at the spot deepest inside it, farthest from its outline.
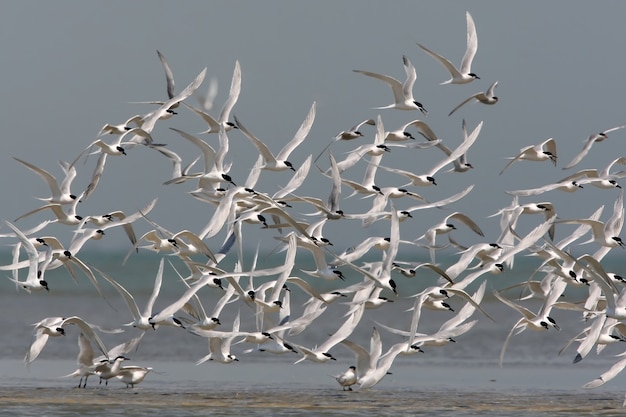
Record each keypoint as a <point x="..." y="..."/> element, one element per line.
<point x="69" y="67"/>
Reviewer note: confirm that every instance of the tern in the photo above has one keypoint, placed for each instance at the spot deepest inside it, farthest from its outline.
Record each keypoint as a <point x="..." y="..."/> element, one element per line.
<point x="463" y="74"/>
<point x="402" y="92"/>
<point x="446" y="226"/>
<point x="347" y="379"/>
<point x="60" y="192"/>
<point x="132" y="375"/>
<point x="353" y="133"/>
<point x="141" y="320"/>
<point x="544" y="151"/>
<point x="594" y="138"/>
<point x="280" y="162"/>
<point x="33" y="282"/>
<point x="486" y="97"/>
<point x="222" y="120"/>
<point x="540" y="321"/>
<point x="53" y="326"/>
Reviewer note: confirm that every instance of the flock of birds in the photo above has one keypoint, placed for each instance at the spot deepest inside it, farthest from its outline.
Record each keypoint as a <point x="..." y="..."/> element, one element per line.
<point x="265" y="292"/>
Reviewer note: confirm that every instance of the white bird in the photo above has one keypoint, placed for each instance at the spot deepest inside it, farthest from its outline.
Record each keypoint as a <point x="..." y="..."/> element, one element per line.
<point x="566" y="185"/>
<point x="321" y="354"/>
<point x="222" y="120"/>
<point x="85" y="361"/>
<point x="464" y="73"/>
<point x="219" y="344"/>
<point x="169" y="82"/>
<point x="118" y="218"/>
<point x="603" y="178"/>
<point x="614" y="298"/>
<point x="280" y="162"/>
<point x="108" y="369"/>
<point x="123" y="127"/>
<point x="446" y="226"/>
<point x="132" y="375"/>
<point x="351" y="134"/>
<point x="603" y="234"/>
<point x="61" y="193"/>
<point x="451" y="328"/>
<point x="347" y="379"/>
<point x="354" y="132"/>
<point x="594" y="138"/>
<point x="372" y="366"/>
<point x="611" y="373"/>
<point x="33" y="282"/>
<point x="52" y="327"/>
<point x="484" y="252"/>
<point x="484" y="97"/>
<point x="540" y="321"/>
<point x="215" y="169"/>
<point x="208" y="100"/>
<point x="141" y="320"/>
<point x="68" y="217"/>
<point x="543" y="151"/>
<point x="429" y="178"/>
<point x="165" y="111"/>
<point x="402" y="92"/>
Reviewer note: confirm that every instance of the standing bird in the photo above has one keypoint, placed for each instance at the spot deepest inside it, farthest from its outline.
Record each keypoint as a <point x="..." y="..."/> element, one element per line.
<point x="347" y="379"/>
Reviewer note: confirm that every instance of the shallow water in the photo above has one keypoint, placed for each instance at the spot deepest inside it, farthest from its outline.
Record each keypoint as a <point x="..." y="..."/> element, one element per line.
<point x="460" y="378"/>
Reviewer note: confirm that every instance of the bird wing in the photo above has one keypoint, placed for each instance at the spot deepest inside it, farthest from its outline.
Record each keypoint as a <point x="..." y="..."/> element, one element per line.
<point x="300" y="135"/>
<point x="472" y="45"/>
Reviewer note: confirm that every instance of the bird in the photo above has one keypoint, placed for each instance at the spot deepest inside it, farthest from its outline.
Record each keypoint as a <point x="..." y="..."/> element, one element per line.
<point x="591" y="139"/>
<point x="118" y="218"/>
<point x="603" y="234"/>
<point x="402" y="92"/>
<point x="220" y="343"/>
<point x="372" y="365"/>
<point x="215" y="169"/>
<point x="540" y="321"/>
<point x="563" y="185"/>
<point x="280" y="162"/>
<point x="347" y="379"/>
<point x="222" y="120"/>
<point x="141" y="320"/>
<point x="61" y="193"/>
<point x="353" y="133"/>
<point x="446" y="226"/>
<point x="544" y="151"/>
<point x="169" y="82"/>
<point x="463" y="74"/>
<point x="321" y="354"/>
<point x="123" y="127"/>
<point x="108" y="369"/>
<point x="34" y="281"/>
<point x="428" y="179"/>
<point x="603" y="178"/>
<point x="486" y="97"/>
<point x="69" y="217"/>
<point x="132" y="375"/>
<point x="53" y="326"/>
<point x="401" y="134"/>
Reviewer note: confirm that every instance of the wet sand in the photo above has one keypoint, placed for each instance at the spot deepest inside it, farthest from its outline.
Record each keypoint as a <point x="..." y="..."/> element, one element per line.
<point x="324" y="400"/>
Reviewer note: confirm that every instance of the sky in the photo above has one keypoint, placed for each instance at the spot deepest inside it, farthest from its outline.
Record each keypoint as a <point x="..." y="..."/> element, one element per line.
<point x="72" y="66"/>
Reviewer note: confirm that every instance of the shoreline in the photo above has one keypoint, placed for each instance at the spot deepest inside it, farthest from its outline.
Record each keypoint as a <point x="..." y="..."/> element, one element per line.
<point x="396" y="401"/>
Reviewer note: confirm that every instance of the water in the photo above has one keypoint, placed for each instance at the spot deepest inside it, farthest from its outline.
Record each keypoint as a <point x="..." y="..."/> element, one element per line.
<point x="460" y="378"/>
